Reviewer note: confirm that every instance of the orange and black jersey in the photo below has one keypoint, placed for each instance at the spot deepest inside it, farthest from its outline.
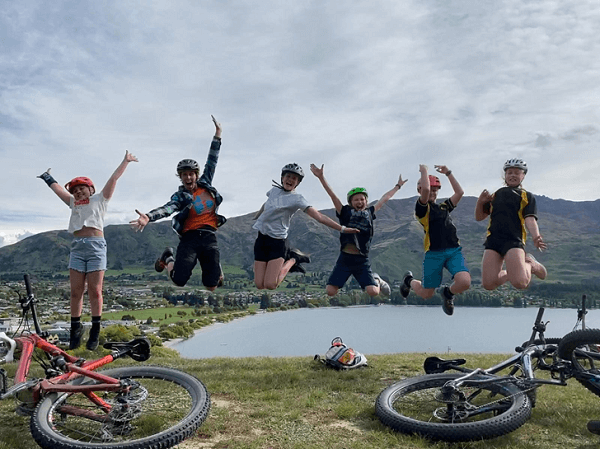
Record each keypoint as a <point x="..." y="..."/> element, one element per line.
<point x="440" y="232"/>
<point x="508" y="210"/>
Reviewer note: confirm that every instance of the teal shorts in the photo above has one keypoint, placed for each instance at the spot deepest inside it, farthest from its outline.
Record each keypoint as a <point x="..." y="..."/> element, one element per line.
<point x="435" y="261"/>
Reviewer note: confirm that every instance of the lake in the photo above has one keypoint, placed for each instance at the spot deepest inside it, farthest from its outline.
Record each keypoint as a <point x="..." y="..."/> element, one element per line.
<point x="377" y="330"/>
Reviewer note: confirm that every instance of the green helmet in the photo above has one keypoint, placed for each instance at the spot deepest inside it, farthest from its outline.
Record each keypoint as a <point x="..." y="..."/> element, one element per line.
<point x="356" y="190"/>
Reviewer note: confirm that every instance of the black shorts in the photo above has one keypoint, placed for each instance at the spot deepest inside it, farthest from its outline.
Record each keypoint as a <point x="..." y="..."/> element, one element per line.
<point x="198" y="245"/>
<point x="502" y="246"/>
<point x="268" y="248"/>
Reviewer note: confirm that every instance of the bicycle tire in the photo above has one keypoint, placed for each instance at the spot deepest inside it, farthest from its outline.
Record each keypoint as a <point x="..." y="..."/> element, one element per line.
<point x="575" y="347"/>
<point x="414" y="406"/>
<point x="167" y="407"/>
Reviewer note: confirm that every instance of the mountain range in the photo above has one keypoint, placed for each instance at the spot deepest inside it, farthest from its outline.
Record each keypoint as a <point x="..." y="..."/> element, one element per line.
<point x="571" y="230"/>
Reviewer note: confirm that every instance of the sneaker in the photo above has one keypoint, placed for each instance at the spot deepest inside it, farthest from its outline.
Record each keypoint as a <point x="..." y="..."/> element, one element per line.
<point x="298" y="255"/>
<point x="163" y="260"/>
<point x="405" y="286"/>
<point x="594" y="427"/>
<point x="75" y="336"/>
<point x="384" y="287"/>
<point x="536" y="268"/>
<point x="448" y="298"/>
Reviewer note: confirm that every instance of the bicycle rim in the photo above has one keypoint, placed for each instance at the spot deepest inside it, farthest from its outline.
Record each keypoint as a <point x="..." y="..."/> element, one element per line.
<point x="474" y="411"/>
<point x="164" y="407"/>
<point x="582" y="348"/>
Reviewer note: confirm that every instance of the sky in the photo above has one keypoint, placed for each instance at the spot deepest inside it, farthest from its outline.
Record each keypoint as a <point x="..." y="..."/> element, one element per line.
<point x="371" y="89"/>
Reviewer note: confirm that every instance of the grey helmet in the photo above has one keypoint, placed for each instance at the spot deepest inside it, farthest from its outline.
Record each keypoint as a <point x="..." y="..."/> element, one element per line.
<point x="293" y="168"/>
<point x="187" y="164"/>
<point x="516" y="163"/>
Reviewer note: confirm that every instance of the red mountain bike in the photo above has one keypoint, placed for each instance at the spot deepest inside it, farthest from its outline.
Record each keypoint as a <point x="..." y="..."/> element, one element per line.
<point x="76" y="406"/>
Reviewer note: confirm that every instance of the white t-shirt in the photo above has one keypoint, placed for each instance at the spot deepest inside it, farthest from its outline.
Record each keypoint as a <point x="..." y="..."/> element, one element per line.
<point x="90" y="213"/>
<point x="279" y="208"/>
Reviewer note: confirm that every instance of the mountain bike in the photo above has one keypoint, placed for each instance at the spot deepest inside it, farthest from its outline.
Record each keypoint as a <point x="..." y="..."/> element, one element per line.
<point x="76" y="406"/>
<point x="475" y="404"/>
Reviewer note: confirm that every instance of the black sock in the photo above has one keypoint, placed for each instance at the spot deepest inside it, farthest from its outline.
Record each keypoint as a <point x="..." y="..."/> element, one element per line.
<point x="447" y="293"/>
<point x="96" y="323"/>
<point x="75" y="322"/>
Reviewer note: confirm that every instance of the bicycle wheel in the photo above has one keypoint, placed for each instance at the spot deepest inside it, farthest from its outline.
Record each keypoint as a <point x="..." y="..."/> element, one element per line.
<point x="581" y="347"/>
<point x="163" y="407"/>
<point x="484" y="406"/>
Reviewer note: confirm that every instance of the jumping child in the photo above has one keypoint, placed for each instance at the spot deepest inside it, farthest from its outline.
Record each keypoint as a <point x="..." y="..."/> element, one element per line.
<point x="87" y="259"/>
<point x="442" y="248"/>
<point x="354" y="252"/>
<point x="196" y="222"/>
<point x="512" y="211"/>
<point x="273" y="260"/>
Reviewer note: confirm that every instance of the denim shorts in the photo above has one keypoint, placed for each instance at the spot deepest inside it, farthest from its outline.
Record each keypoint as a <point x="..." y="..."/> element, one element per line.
<point x="88" y="254"/>
<point x="435" y="261"/>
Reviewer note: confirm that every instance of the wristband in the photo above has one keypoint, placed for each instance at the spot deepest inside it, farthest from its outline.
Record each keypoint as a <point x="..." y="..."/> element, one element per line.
<point x="449" y="172"/>
<point x="399" y="186"/>
<point x="48" y="179"/>
<point x="343" y="228"/>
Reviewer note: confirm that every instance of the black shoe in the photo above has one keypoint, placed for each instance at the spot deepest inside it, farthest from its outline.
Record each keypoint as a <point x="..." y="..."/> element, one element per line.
<point x="298" y="255"/>
<point x="405" y="286"/>
<point x="448" y="298"/>
<point x="163" y="260"/>
<point x="93" y="339"/>
<point x="594" y="427"/>
<point x="75" y="336"/>
<point x="297" y="268"/>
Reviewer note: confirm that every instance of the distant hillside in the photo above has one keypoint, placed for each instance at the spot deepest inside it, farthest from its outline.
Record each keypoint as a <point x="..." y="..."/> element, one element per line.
<point x="571" y="230"/>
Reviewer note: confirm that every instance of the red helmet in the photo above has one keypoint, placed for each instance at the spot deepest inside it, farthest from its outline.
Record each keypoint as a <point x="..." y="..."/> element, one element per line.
<point x="434" y="181"/>
<point x="80" y="181"/>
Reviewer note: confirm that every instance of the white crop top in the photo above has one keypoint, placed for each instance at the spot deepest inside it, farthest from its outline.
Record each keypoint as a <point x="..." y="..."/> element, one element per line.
<point x="90" y="214"/>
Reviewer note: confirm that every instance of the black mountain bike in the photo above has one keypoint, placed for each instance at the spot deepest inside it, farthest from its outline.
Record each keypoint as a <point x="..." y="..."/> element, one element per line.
<point x="475" y="404"/>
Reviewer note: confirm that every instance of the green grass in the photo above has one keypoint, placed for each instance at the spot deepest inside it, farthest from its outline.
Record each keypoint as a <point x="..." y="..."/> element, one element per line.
<point x="296" y="402"/>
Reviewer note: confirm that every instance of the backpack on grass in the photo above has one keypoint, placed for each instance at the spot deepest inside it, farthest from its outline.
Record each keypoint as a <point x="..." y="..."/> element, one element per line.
<point x="340" y="356"/>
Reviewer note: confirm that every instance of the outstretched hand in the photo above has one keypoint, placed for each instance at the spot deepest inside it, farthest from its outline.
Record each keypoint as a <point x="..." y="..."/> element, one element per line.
<point x="539" y="243"/>
<point x="141" y="222"/>
<point x="318" y="172"/>
<point x="351" y="231"/>
<point x="47" y="172"/>
<point x="401" y="181"/>
<point x="442" y="169"/>
<point x="129" y="157"/>
<point x="218" y="127"/>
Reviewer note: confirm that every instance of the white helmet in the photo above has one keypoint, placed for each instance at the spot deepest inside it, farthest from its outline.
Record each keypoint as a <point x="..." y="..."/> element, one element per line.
<point x="516" y="163"/>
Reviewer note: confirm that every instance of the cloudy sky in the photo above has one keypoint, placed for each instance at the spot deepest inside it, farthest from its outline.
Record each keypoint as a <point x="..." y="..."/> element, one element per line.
<point x="369" y="88"/>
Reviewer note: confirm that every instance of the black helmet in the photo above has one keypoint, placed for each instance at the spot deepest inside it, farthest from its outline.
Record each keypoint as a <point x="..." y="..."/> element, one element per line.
<point x="293" y="168"/>
<point x="187" y="164"/>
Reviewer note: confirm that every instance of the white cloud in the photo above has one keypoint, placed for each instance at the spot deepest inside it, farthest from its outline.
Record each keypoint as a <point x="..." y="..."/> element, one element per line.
<point x="370" y="90"/>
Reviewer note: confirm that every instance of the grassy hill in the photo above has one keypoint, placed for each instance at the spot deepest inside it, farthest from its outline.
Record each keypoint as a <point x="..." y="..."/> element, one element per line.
<point x="571" y="230"/>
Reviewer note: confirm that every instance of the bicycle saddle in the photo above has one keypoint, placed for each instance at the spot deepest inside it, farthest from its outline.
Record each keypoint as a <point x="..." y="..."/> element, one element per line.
<point x="138" y="348"/>
<point x="435" y="365"/>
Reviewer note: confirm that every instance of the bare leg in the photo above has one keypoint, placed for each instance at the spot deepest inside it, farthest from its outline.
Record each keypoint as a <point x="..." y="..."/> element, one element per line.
<point x="372" y="290"/>
<point x="259" y="274"/>
<point x="95" y="280"/>
<point x="518" y="271"/>
<point x="462" y="282"/>
<point x="492" y="274"/>
<point x="331" y="289"/>
<point x="422" y="292"/>
<point x="77" y="280"/>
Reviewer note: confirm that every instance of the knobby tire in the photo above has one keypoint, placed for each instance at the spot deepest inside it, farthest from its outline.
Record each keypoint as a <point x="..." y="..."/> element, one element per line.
<point x="581" y="347"/>
<point x="167" y="407"/>
<point x="416" y="406"/>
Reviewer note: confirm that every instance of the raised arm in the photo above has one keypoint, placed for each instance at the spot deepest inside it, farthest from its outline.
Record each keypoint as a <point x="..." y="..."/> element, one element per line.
<point x="60" y="191"/>
<point x="324" y="219"/>
<point x="319" y="173"/>
<point x="424" y="183"/>
<point x="213" y="154"/>
<point x="482" y="208"/>
<point x="458" y="191"/>
<point x="109" y="187"/>
<point x="387" y="196"/>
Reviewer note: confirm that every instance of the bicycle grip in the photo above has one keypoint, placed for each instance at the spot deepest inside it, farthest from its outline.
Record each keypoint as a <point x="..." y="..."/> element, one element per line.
<point x="538" y="319"/>
<point x="28" y="285"/>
